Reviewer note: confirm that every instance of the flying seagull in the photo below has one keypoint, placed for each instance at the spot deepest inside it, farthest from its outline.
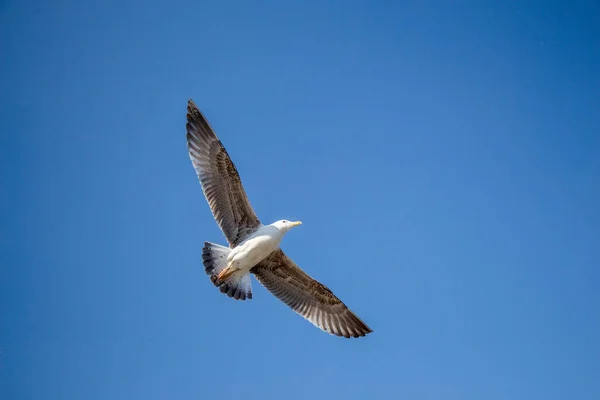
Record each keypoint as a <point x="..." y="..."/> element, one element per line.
<point x="254" y="247"/>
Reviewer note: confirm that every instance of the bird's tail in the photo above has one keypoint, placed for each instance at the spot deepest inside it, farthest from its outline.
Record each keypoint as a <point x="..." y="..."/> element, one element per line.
<point x="236" y="285"/>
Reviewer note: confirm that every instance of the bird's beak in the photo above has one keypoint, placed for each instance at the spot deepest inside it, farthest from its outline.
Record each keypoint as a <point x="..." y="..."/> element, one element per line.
<point x="296" y="223"/>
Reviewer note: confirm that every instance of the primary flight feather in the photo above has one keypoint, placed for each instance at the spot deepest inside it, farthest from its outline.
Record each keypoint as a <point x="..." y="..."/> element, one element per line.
<point x="254" y="247"/>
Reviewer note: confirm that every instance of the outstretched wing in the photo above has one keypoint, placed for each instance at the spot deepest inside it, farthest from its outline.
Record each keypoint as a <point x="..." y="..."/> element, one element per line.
<point x="219" y="179"/>
<point x="309" y="298"/>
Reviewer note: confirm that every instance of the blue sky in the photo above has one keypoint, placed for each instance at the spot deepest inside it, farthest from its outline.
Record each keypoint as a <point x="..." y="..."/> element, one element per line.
<point x="444" y="158"/>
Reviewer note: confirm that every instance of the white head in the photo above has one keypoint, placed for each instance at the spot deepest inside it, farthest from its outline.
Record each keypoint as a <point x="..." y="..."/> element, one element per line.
<point x="284" y="225"/>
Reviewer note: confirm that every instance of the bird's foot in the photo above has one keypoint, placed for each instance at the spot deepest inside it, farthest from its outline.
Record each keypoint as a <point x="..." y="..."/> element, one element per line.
<point x="226" y="273"/>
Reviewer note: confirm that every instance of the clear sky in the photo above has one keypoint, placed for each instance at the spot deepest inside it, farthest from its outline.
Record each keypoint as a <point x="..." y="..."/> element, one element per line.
<point x="444" y="158"/>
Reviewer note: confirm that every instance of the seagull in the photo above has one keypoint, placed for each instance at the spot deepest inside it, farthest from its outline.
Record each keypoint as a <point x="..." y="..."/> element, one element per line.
<point x="254" y="247"/>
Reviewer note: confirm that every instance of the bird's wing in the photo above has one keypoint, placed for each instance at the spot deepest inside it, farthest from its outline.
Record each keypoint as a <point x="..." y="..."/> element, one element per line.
<point x="309" y="298"/>
<point x="219" y="178"/>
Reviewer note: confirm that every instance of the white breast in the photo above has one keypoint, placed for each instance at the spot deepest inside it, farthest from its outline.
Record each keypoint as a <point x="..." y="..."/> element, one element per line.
<point x="255" y="248"/>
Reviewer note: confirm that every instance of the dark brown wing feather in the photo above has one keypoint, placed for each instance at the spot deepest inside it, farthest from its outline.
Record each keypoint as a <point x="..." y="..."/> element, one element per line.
<point x="309" y="298"/>
<point x="219" y="178"/>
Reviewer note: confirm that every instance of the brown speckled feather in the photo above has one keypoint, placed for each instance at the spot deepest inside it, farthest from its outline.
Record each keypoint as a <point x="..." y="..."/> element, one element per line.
<point x="219" y="178"/>
<point x="308" y="297"/>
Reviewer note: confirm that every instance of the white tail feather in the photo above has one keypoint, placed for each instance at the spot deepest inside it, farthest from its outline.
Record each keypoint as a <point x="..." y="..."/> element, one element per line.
<point x="238" y="285"/>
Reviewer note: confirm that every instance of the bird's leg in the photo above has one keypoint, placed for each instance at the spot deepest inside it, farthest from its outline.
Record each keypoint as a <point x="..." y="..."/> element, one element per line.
<point x="226" y="273"/>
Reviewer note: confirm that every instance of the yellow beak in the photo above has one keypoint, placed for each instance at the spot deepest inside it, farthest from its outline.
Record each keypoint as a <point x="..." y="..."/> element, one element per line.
<point x="296" y="223"/>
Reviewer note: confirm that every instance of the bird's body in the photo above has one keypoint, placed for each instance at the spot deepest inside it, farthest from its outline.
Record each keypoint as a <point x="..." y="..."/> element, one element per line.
<point x="254" y="248"/>
<point x="258" y="245"/>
